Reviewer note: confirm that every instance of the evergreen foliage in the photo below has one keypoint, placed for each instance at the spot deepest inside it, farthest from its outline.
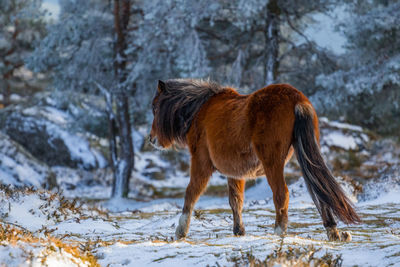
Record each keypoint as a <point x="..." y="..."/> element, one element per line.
<point x="366" y="88"/>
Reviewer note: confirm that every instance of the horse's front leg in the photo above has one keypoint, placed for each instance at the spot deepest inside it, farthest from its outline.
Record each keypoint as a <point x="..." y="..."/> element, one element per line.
<point x="236" y="195"/>
<point x="200" y="172"/>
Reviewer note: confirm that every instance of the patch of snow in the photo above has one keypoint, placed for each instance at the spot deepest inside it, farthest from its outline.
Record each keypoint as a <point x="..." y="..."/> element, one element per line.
<point x="15" y="98"/>
<point x="22" y="211"/>
<point x="338" y="139"/>
<point x="104" y="142"/>
<point x="87" y="226"/>
<point x="6" y="177"/>
<point x="299" y="196"/>
<point x="56" y="115"/>
<point x="53" y="7"/>
<point x="18" y="167"/>
<point x="67" y="175"/>
<point x="55" y="122"/>
<point x="30" y="111"/>
<point x="13" y="256"/>
<point x="29" y="211"/>
<point x="383" y="190"/>
<point x="166" y="206"/>
<point x="138" y="139"/>
<point x="341" y="125"/>
<point x="101" y="161"/>
<point x="389" y="157"/>
<point x="36" y="254"/>
<point x="78" y="147"/>
<point x="59" y="258"/>
<point x="83" y="184"/>
<point x="26" y="174"/>
<point x="51" y="101"/>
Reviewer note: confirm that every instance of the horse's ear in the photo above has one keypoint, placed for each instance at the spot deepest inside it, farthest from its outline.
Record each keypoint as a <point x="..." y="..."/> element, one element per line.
<point x="161" y="86"/>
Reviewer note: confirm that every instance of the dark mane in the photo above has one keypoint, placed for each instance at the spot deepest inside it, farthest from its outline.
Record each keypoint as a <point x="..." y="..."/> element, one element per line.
<point x="178" y="104"/>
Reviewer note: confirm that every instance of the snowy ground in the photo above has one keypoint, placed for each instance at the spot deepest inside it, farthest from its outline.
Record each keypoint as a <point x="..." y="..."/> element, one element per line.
<point x="39" y="227"/>
<point x="59" y="233"/>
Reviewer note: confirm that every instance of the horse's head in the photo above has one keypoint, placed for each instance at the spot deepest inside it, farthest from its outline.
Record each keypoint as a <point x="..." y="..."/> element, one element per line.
<point x="175" y="105"/>
<point x="156" y="137"/>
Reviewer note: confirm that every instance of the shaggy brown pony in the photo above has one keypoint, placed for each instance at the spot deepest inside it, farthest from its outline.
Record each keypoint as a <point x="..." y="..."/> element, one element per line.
<point x="246" y="136"/>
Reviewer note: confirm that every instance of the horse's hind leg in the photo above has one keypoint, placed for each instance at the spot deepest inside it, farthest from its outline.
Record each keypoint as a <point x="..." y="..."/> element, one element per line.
<point x="200" y="172"/>
<point x="330" y="226"/>
<point x="236" y="193"/>
<point x="272" y="139"/>
<point x="280" y="192"/>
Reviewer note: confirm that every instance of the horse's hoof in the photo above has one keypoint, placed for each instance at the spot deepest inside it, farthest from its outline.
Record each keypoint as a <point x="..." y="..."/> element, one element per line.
<point x="333" y="234"/>
<point x="183" y="227"/>
<point x="180" y="233"/>
<point x="346" y="236"/>
<point x="239" y="230"/>
<point x="279" y="231"/>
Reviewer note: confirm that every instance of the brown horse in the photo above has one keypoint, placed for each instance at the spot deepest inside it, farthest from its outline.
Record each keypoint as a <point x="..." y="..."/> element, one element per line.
<point x="246" y="136"/>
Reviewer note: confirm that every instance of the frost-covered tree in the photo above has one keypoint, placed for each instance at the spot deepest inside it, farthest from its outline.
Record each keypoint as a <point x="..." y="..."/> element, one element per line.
<point x="21" y="25"/>
<point x="288" y="49"/>
<point x="247" y="43"/>
<point x="86" y="51"/>
<point x="259" y="42"/>
<point x="78" y="47"/>
<point x="166" y="44"/>
<point x="367" y="88"/>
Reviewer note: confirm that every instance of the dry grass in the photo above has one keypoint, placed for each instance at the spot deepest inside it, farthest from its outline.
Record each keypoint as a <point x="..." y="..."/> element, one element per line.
<point x="291" y="256"/>
<point x="11" y="235"/>
<point x="54" y="207"/>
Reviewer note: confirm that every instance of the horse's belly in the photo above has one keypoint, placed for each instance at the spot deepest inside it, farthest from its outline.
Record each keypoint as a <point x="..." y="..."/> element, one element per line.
<point x="237" y="165"/>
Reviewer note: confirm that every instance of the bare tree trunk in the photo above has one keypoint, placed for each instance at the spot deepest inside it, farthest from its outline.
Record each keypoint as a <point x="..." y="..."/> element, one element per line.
<point x="272" y="42"/>
<point x="6" y="93"/>
<point x="123" y="160"/>
<point x="126" y="155"/>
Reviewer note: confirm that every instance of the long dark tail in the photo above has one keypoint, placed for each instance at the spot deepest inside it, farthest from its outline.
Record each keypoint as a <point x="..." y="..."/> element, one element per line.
<point x="321" y="184"/>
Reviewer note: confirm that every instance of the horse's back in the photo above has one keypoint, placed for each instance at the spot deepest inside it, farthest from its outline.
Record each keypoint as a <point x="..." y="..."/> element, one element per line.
<point x="274" y="99"/>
